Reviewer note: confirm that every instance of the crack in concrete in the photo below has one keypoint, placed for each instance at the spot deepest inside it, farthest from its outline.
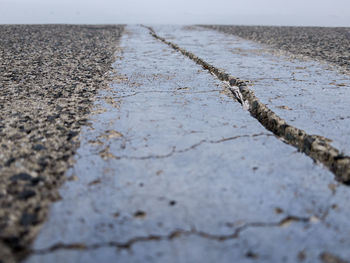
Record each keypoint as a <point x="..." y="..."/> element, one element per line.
<point x="315" y="146"/>
<point x="166" y="91"/>
<point x="286" y="221"/>
<point x="106" y="154"/>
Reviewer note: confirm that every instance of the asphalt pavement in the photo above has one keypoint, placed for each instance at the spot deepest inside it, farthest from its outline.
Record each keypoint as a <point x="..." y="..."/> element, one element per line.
<point x="49" y="76"/>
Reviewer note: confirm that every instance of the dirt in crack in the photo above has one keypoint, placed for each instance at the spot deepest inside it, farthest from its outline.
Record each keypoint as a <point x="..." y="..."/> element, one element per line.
<point x="175" y="234"/>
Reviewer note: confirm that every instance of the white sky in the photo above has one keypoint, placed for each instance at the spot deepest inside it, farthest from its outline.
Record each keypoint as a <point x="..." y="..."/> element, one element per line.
<point x="274" y="12"/>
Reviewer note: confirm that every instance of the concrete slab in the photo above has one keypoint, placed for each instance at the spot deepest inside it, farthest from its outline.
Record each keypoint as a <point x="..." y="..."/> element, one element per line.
<point x="308" y="94"/>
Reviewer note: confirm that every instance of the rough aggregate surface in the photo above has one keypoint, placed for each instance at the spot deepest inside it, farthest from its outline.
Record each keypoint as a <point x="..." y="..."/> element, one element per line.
<point x="330" y="44"/>
<point x="49" y="75"/>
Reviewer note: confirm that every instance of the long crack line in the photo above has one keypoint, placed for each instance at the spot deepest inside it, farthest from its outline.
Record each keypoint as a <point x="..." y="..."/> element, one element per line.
<point x="106" y="154"/>
<point x="166" y="91"/>
<point x="315" y="146"/>
<point x="172" y="235"/>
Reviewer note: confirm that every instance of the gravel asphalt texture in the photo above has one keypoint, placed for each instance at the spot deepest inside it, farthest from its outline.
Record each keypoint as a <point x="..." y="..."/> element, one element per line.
<point x="331" y="44"/>
<point x="49" y="75"/>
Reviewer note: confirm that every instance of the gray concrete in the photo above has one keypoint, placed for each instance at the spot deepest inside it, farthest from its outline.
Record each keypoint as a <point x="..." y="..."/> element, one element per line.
<point x="309" y="95"/>
<point x="173" y="170"/>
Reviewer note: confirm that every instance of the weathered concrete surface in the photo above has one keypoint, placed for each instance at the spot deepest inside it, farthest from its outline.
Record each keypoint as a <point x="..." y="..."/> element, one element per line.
<point x="173" y="170"/>
<point x="307" y="94"/>
<point x="315" y="146"/>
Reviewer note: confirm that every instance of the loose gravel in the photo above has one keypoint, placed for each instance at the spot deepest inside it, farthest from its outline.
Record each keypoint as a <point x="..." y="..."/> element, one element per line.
<point x="49" y="75"/>
<point x="330" y="44"/>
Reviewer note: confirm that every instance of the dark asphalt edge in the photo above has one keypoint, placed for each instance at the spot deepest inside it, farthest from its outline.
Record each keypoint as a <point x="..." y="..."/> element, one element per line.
<point x="10" y="250"/>
<point x="315" y="146"/>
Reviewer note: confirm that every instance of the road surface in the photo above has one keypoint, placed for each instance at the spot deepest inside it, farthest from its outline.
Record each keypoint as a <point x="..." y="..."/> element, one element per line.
<point x="171" y="168"/>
